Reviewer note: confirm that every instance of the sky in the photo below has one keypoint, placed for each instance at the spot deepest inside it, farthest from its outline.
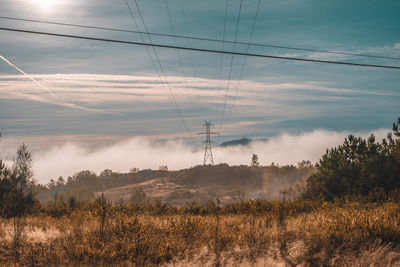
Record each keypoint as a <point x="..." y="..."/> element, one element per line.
<point x="96" y="96"/>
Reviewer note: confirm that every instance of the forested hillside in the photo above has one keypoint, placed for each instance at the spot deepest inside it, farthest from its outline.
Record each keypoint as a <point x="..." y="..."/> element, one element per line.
<point x="266" y="181"/>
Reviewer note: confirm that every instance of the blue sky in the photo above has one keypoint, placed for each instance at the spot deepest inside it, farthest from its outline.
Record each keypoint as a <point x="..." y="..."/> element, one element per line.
<point x="112" y="90"/>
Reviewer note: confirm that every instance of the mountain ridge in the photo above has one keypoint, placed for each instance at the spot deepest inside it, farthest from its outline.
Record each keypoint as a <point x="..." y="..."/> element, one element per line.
<point x="241" y="142"/>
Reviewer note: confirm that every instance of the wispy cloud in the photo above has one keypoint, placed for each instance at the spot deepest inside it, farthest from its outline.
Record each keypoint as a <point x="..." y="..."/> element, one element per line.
<point x="380" y="51"/>
<point x="17" y="95"/>
<point x="145" y="107"/>
<point x="89" y="88"/>
<point x="14" y="93"/>
<point x="28" y="76"/>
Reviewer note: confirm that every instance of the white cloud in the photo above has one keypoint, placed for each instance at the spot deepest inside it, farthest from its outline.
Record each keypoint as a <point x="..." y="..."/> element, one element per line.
<point x="384" y="51"/>
<point x="65" y="159"/>
<point x="80" y="90"/>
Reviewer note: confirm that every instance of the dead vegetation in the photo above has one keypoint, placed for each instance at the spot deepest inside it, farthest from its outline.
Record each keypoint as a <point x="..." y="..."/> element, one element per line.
<point x="245" y="233"/>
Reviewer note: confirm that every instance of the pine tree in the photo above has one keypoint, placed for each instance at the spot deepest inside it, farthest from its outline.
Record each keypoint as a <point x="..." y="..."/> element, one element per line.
<point x="358" y="167"/>
<point x="254" y="161"/>
<point x="16" y="185"/>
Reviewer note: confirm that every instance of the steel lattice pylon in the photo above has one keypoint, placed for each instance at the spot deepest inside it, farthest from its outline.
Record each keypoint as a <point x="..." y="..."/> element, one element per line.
<point x="208" y="156"/>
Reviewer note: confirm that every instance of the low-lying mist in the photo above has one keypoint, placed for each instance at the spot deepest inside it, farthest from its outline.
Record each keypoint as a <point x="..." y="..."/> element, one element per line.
<point x="65" y="160"/>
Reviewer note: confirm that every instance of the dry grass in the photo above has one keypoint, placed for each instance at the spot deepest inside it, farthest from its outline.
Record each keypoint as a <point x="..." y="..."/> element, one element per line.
<point x="268" y="234"/>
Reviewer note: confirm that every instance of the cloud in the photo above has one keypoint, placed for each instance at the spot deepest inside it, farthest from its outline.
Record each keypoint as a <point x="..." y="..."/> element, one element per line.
<point x="98" y="90"/>
<point x="146" y="110"/>
<point x="29" y="77"/>
<point x="141" y="152"/>
<point x="384" y="51"/>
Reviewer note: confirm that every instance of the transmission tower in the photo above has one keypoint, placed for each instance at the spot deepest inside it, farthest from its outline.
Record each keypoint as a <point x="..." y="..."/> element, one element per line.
<point x="208" y="157"/>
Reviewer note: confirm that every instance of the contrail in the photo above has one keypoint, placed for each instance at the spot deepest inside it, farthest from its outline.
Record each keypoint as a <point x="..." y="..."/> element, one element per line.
<point x="30" y="77"/>
<point x="35" y="98"/>
<point x="64" y="104"/>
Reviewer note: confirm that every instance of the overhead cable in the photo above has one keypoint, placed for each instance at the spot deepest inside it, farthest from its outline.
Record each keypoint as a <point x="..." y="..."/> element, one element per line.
<point x="230" y="66"/>
<point x="244" y="61"/>
<point x="82" y="37"/>
<point x="182" y="118"/>
<point x="178" y="53"/>
<point x="201" y="38"/>
<point x="222" y="56"/>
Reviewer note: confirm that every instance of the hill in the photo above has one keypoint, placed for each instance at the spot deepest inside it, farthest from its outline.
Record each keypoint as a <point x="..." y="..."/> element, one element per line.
<point x="241" y="142"/>
<point x="199" y="183"/>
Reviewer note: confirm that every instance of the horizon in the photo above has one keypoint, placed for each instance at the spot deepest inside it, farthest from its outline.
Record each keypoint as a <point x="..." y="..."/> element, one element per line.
<point x="58" y="93"/>
<point x="67" y="156"/>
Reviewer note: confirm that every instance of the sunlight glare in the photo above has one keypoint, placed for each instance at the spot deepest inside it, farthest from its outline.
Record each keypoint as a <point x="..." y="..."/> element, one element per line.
<point x="45" y="5"/>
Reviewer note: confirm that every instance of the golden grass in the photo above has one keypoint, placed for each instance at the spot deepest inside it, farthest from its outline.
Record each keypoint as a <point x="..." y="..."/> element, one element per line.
<point x="268" y="234"/>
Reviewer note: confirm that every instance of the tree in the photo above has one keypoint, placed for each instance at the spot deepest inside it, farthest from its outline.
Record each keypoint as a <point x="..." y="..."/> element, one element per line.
<point x="16" y="185"/>
<point x="21" y="195"/>
<point x="134" y="170"/>
<point x="51" y="184"/>
<point x="396" y="131"/>
<point x="16" y="193"/>
<point x="106" y="173"/>
<point x="254" y="161"/>
<point x="5" y="187"/>
<point x="304" y="164"/>
<point x="60" y="181"/>
<point x="163" y="168"/>
<point x="358" y="167"/>
<point x="396" y="128"/>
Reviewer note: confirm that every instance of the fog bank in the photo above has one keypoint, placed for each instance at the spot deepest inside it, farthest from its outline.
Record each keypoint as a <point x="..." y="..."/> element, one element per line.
<point x="67" y="159"/>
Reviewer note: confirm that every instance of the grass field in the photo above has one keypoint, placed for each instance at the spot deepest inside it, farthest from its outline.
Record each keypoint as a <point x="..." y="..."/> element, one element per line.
<point x="247" y="233"/>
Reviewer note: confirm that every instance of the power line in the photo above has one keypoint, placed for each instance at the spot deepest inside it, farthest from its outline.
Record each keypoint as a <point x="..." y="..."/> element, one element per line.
<point x="147" y="51"/>
<point x="178" y="53"/>
<point x="199" y="49"/>
<point x="194" y="74"/>
<point x="222" y="56"/>
<point x="230" y="67"/>
<point x="163" y="72"/>
<point x="141" y="37"/>
<point x="200" y="38"/>
<point x="244" y="61"/>
<point x="186" y="32"/>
